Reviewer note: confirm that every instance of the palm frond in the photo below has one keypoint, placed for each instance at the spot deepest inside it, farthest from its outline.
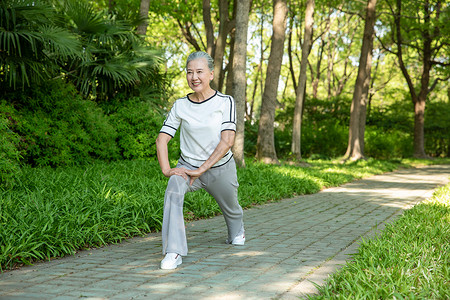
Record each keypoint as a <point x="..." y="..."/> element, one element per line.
<point x="60" y="42"/>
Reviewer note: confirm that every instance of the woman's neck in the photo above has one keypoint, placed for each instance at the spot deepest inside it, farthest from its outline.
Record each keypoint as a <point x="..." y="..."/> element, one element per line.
<point x="202" y="96"/>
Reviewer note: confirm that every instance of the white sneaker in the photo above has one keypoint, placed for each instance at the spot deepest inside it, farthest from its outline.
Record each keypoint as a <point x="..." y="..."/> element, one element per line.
<point x="171" y="261"/>
<point x="239" y="240"/>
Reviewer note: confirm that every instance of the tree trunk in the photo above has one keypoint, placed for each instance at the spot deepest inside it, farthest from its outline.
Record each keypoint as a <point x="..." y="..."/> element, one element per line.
<point x="291" y="60"/>
<point x="300" y="93"/>
<point x="266" y="140"/>
<point x="419" y="99"/>
<point x="342" y="81"/>
<point x="315" y="83"/>
<point x="143" y="13"/>
<point x="208" y="27"/>
<point x="239" y="80"/>
<point x="221" y="43"/>
<point x="229" y="68"/>
<point x="355" y="149"/>
<point x="249" y="112"/>
<point x="419" y="103"/>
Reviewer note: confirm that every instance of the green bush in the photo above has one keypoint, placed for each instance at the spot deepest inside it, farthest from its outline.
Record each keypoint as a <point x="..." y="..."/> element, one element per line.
<point x="60" y="128"/>
<point x="138" y="123"/>
<point x="388" y="144"/>
<point x="327" y="138"/>
<point x="9" y="142"/>
<point x="324" y="128"/>
<point x="437" y="129"/>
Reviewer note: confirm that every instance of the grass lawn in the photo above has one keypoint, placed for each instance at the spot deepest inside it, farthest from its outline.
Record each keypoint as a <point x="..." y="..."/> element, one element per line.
<point x="50" y="213"/>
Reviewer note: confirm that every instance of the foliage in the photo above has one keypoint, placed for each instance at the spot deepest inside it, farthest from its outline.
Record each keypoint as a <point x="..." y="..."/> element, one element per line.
<point x="138" y="123"/>
<point x="98" y="51"/>
<point x="51" y="213"/>
<point x="437" y="129"/>
<point x="9" y="143"/>
<point x="32" y="43"/>
<point x="114" y="59"/>
<point x="58" y="127"/>
<point x="394" y="116"/>
<point x="54" y="212"/>
<point x="323" y="122"/>
<point x="409" y="259"/>
<point x="384" y="143"/>
<point x="326" y="139"/>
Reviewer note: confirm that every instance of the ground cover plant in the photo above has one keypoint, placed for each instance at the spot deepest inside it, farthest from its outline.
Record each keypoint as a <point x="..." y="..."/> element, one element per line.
<point x="409" y="259"/>
<point x="50" y="212"/>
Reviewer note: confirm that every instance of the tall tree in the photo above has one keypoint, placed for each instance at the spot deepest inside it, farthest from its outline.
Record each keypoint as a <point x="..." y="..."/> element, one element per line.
<point x="239" y="80"/>
<point x="143" y="14"/>
<point x="420" y="34"/>
<point x="266" y="140"/>
<point x="209" y="28"/>
<point x="355" y="148"/>
<point x="301" y="89"/>
<point x="225" y="26"/>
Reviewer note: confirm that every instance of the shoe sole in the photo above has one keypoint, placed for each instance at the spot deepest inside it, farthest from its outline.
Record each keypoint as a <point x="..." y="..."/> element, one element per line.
<point x="238" y="243"/>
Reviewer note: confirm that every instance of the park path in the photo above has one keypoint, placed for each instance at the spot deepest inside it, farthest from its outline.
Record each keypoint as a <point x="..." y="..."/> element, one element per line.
<point x="290" y="244"/>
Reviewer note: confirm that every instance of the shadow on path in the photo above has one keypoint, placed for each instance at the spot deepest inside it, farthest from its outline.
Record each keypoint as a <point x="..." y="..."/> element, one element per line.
<point x="289" y="244"/>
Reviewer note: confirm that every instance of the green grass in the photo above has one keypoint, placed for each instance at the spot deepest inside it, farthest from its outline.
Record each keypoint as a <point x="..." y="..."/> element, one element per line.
<point x="409" y="259"/>
<point x="50" y="213"/>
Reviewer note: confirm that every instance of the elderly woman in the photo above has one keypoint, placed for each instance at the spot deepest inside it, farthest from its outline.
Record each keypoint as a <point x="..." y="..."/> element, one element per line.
<point x="207" y="122"/>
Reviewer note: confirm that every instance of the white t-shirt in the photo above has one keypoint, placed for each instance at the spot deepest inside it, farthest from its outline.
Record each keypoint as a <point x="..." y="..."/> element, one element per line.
<point x="201" y="124"/>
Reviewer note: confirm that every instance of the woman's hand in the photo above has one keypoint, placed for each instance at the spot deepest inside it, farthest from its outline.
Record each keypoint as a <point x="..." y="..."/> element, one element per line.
<point x="176" y="171"/>
<point x="194" y="174"/>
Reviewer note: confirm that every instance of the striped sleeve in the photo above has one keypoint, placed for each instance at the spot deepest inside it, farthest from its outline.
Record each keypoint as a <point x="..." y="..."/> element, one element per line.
<point x="171" y="123"/>
<point x="229" y="114"/>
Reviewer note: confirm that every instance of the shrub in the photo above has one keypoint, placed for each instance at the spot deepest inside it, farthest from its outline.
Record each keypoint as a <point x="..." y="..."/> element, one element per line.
<point x="327" y="138"/>
<point x="138" y="123"/>
<point x="60" y="128"/>
<point x="388" y="144"/>
<point x="9" y="142"/>
<point x="437" y="129"/>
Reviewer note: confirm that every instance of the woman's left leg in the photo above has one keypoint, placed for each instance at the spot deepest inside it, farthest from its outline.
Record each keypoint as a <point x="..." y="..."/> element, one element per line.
<point x="222" y="184"/>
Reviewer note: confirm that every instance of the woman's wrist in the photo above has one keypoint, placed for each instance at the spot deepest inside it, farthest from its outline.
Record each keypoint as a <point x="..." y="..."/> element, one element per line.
<point x="166" y="172"/>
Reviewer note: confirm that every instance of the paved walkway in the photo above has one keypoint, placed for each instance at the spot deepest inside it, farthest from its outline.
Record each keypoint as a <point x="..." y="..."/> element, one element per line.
<point x="289" y="245"/>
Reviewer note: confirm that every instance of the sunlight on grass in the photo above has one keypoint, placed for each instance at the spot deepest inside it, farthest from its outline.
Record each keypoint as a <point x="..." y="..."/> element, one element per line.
<point x="51" y="212"/>
<point x="407" y="260"/>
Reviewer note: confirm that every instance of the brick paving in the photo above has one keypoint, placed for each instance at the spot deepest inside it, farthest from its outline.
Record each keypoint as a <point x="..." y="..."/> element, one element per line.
<point x="290" y="245"/>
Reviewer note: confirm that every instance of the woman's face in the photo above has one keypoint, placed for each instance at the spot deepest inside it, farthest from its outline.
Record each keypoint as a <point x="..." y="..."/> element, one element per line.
<point x="198" y="75"/>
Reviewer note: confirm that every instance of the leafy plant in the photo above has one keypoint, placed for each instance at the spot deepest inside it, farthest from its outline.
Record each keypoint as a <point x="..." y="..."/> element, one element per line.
<point x="114" y="58"/>
<point x="383" y="143"/>
<point x="31" y="43"/>
<point x="9" y="144"/>
<point x="58" y="127"/>
<point x="138" y="123"/>
<point x="437" y="128"/>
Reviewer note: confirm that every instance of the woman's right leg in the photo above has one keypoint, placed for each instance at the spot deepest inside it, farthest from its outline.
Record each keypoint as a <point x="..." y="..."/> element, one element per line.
<point x="173" y="231"/>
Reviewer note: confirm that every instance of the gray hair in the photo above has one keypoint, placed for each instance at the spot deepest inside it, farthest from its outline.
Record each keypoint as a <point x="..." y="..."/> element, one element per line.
<point x="201" y="54"/>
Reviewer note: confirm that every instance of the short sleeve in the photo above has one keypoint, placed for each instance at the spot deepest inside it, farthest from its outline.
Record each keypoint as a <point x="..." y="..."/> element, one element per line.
<point x="172" y="122"/>
<point x="229" y="114"/>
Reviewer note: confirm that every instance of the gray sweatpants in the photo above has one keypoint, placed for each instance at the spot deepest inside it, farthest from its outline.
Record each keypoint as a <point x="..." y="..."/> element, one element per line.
<point x="221" y="182"/>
